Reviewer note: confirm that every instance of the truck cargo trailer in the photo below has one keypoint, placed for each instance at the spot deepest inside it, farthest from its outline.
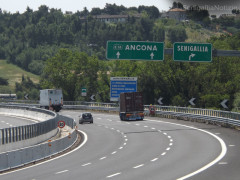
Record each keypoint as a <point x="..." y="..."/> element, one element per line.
<point x="131" y="106"/>
<point x="51" y="99"/>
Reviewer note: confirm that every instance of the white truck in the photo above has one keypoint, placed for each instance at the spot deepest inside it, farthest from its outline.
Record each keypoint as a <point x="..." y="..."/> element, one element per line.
<point x="51" y="99"/>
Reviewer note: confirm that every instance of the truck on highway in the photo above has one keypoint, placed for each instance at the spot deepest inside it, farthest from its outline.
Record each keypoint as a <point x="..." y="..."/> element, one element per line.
<point x="131" y="106"/>
<point x="51" y="99"/>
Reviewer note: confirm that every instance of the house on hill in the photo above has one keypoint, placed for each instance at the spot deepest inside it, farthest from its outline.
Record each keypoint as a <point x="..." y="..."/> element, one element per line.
<point x="176" y="13"/>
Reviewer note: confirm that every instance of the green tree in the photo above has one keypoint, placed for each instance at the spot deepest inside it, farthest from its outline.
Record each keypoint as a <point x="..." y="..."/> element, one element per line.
<point x="159" y="34"/>
<point x="70" y="71"/>
<point x="236" y="103"/>
<point x="177" y="34"/>
<point x="3" y="82"/>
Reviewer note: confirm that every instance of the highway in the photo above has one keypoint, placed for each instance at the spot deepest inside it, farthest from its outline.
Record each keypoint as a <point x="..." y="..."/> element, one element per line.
<point x="152" y="149"/>
<point x="14" y="121"/>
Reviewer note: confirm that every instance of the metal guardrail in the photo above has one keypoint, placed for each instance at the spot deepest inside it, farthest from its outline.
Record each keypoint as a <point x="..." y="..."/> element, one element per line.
<point x="19" y="157"/>
<point x="225" y="117"/>
<point x="15" y="134"/>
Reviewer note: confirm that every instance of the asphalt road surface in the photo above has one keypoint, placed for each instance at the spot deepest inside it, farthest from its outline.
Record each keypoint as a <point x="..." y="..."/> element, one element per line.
<point x="153" y="149"/>
<point x="14" y="121"/>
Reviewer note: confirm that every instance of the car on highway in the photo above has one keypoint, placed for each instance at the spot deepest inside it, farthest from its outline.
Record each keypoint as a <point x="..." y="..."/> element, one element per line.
<point x="85" y="117"/>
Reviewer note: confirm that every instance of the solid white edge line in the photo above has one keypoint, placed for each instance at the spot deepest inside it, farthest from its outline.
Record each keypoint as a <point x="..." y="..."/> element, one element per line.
<point x="221" y="155"/>
<point x="83" y="143"/>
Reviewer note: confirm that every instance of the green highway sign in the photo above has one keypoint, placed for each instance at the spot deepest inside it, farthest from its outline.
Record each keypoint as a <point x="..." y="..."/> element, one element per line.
<point x="84" y="91"/>
<point x="135" y="50"/>
<point x="192" y="52"/>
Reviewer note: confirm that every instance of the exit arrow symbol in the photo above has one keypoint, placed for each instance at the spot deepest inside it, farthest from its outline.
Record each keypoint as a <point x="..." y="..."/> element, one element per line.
<point x="223" y="103"/>
<point x="152" y="55"/>
<point x="118" y="54"/>
<point x="92" y="97"/>
<point x="191" y="56"/>
<point x="26" y="96"/>
<point x="160" y="100"/>
<point x="191" y="101"/>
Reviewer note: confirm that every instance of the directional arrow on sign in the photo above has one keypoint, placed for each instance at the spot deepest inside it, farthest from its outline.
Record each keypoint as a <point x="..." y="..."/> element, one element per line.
<point x="223" y="103"/>
<point x="118" y="55"/>
<point x="160" y="100"/>
<point x="152" y="55"/>
<point x="92" y="97"/>
<point x="26" y="96"/>
<point x="191" y="56"/>
<point x="191" y="101"/>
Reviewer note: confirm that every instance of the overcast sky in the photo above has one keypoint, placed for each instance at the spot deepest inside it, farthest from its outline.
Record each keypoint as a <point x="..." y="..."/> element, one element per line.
<point x="78" y="5"/>
<point x="218" y="6"/>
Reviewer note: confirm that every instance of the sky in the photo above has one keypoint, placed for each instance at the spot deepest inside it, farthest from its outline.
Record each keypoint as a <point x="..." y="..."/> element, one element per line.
<point x="214" y="6"/>
<point x="78" y="5"/>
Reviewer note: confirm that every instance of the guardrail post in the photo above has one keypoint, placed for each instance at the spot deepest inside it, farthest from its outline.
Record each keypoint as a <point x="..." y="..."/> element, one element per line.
<point x="13" y="134"/>
<point x="6" y="133"/>
<point x="19" y="134"/>
<point x="16" y="134"/>
<point x="3" y="137"/>
<point x="10" y="135"/>
<point x="23" y="134"/>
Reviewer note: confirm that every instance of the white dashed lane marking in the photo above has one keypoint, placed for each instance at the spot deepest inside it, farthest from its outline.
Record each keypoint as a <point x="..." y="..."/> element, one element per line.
<point x="154" y="159"/>
<point x="60" y="172"/>
<point x="222" y="163"/>
<point x="116" y="174"/>
<point x="163" y="154"/>
<point x="138" y="166"/>
<point x="102" y="158"/>
<point x="86" y="164"/>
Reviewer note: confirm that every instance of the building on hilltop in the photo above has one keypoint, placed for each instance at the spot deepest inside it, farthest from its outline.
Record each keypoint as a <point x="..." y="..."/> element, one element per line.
<point x="113" y="18"/>
<point x="228" y="15"/>
<point x="176" y="13"/>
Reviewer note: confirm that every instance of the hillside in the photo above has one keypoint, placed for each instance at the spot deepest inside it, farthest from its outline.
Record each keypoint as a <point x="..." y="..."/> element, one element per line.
<point x="14" y="74"/>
